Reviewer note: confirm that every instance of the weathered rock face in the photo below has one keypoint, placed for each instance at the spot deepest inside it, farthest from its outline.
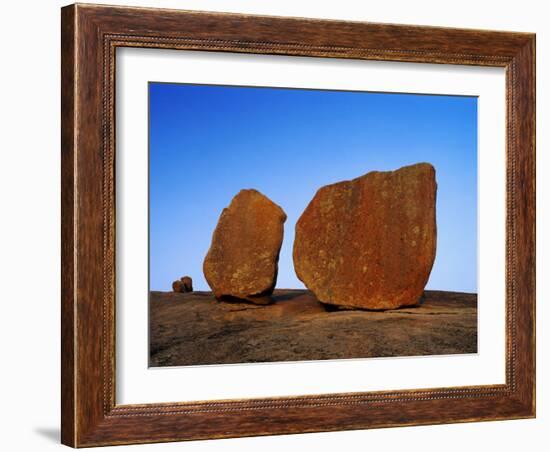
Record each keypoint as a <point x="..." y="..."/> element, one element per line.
<point x="297" y="327"/>
<point x="370" y="242"/>
<point x="242" y="262"/>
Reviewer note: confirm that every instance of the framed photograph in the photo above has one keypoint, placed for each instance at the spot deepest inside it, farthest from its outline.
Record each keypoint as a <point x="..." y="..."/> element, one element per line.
<point x="281" y="225"/>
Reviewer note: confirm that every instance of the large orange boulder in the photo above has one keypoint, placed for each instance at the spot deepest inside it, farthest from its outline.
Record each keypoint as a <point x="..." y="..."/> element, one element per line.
<point x="242" y="261"/>
<point x="370" y="242"/>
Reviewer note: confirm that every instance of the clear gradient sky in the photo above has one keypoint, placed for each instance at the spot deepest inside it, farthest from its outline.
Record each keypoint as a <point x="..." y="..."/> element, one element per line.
<point x="209" y="142"/>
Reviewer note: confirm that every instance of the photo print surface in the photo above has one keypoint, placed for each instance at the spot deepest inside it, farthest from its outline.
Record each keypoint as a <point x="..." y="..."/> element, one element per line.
<point x="299" y="225"/>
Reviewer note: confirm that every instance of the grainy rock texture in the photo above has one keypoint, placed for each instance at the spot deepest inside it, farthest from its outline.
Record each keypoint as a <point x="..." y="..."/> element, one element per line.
<point x="370" y="242"/>
<point x="193" y="329"/>
<point x="242" y="261"/>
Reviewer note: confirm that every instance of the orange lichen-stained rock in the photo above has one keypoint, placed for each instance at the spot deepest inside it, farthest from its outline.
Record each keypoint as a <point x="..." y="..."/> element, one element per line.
<point x="369" y="243"/>
<point x="242" y="261"/>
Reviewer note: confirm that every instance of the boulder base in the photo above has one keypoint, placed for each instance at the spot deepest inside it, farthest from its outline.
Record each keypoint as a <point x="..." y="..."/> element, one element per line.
<point x="369" y="243"/>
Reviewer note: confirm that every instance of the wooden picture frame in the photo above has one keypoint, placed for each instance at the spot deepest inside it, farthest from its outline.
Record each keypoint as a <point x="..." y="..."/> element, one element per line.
<point x="90" y="36"/>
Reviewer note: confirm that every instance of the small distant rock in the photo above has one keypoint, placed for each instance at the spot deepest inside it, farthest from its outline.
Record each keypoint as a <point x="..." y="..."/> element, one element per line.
<point x="183" y="285"/>
<point x="370" y="242"/>
<point x="242" y="262"/>
<point x="177" y="286"/>
<point x="187" y="283"/>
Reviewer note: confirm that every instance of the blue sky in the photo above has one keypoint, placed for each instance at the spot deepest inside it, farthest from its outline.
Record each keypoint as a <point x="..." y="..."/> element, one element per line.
<point x="208" y="142"/>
